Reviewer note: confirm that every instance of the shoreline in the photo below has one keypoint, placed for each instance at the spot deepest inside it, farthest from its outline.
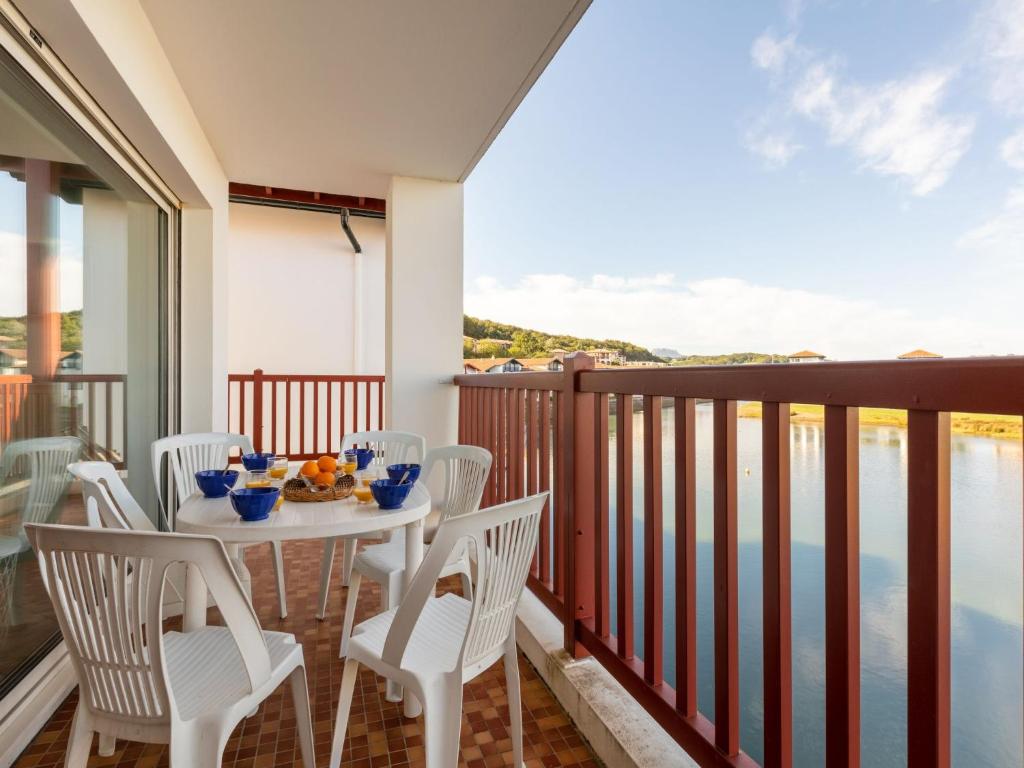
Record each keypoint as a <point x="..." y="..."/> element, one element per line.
<point x="976" y="424"/>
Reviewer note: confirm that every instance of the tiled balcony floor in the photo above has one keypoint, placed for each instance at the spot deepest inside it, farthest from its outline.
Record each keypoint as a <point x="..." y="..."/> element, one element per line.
<point x="378" y="734"/>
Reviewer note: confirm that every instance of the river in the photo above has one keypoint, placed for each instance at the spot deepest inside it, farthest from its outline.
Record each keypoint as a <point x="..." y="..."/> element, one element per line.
<point x="987" y="590"/>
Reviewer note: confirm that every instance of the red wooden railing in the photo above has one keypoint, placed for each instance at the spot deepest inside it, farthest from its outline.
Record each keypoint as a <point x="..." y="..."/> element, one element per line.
<point x="560" y="421"/>
<point x="303" y="416"/>
<point x="89" y="406"/>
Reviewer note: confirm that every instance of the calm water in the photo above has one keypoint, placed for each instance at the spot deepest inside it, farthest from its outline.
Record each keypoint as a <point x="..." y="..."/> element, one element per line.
<point x="987" y="667"/>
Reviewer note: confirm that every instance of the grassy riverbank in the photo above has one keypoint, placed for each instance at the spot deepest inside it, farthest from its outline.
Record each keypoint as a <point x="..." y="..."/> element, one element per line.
<point x="963" y="423"/>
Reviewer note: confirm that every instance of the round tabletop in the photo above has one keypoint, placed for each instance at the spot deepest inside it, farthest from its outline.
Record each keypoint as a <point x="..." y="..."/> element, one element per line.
<point x="297" y="519"/>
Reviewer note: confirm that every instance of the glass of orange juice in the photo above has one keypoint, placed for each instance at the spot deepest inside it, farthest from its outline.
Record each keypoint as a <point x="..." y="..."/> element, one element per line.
<point x="363" y="493"/>
<point x="279" y="468"/>
<point x="257" y="478"/>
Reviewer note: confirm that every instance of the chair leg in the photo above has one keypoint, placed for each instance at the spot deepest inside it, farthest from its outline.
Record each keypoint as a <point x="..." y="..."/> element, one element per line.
<point x="350" y="612"/>
<point x="349" y="559"/>
<point x="196" y="748"/>
<point x="80" y="740"/>
<point x="282" y="600"/>
<point x="108" y="744"/>
<point x="442" y="723"/>
<point x="515" y="703"/>
<point x="326" y="562"/>
<point x="303" y="719"/>
<point x="390" y="597"/>
<point x="348" y="687"/>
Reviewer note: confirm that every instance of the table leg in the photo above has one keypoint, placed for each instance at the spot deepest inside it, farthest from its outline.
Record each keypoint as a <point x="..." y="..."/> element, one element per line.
<point x="413" y="558"/>
<point x="193" y="614"/>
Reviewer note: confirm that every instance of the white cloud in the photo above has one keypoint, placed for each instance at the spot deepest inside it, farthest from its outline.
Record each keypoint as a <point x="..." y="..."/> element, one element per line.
<point x="1002" y="31"/>
<point x="1012" y="150"/>
<point x="1002" y="236"/>
<point x="896" y="128"/>
<point x="728" y="315"/>
<point x="12" y="267"/>
<point x="772" y="53"/>
<point x="775" y="148"/>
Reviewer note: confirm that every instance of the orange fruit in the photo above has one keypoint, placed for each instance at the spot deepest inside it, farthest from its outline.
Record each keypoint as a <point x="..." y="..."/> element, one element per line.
<point x="327" y="463"/>
<point x="324" y="478"/>
<point x="309" y="469"/>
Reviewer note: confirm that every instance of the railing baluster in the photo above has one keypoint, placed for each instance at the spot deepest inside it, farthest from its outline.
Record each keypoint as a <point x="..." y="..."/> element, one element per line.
<point x="545" y="485"/>
<point x="602" y="618"/>
<point x="928" y="590"/>
<point x="92" y="419"/>
<point x="108" y="426"/>
<point x="518" y="444"/>
<point x="686" y="554"/>
<point x="273" y="417"/>
<point x="653" y="536"/>
<point x="842" y="587"/>
<point x="316" y="417"/>
<point x="302" y="416"/>
<point x="380" y="405"/>
<point x="329" y="420"/>
<point x="624" y="525"/>
<point x="367" y="393"/>
<point x="342" y="431"/>
<point x="532" y="438"/>
<point x="241" y="407"/>
<point x="560" y="496"/>
<point x="287" y="418"/>
<point x="501" y="459"/>
<point x="488" y="405"/>
<point x="778" y="674"/>
<point x="727" y="688"/>
<point x="355" y="407"/>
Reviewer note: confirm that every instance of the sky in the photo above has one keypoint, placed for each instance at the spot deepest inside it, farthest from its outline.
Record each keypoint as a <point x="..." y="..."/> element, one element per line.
<point x="845" y="176"/>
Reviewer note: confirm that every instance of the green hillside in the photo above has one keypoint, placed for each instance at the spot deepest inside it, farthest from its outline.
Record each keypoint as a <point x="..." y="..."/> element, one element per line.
<point x="530" y="343"/>
<point x="734" y="358"/>
<point x="15" y="333"/>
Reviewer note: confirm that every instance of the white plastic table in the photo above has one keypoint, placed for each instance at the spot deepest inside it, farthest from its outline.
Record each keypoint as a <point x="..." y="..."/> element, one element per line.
<point x="298" y="520"/>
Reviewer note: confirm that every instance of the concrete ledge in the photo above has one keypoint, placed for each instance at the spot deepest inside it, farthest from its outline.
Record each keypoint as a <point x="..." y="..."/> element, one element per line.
<point x="618" y="729"/>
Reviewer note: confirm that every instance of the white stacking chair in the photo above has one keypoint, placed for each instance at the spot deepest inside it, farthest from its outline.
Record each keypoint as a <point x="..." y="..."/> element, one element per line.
<point x="190" y="453"/>
<point x="139" y="683"/>
<point x="465" y="474"/>
<point x="389" y="447"/>
<point x="42" y="462"/>
<point x="434" y="646"/>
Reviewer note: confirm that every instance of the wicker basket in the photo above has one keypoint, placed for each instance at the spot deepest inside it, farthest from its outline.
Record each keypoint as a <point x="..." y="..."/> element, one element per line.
<point x="297" y="490"/>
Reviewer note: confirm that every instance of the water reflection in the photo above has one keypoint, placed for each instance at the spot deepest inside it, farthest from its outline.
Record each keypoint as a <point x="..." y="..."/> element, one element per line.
<point x="987" y="591"/>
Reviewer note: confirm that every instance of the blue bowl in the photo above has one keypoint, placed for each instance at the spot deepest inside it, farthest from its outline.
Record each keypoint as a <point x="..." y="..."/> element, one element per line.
<point x="253" y="461"/>
<point x="363" y="456"/>
<point x="215" y="483"/>
<point x="254" y="504"/>
<point x="396" y="471"/>
<point x="388" y="494"/>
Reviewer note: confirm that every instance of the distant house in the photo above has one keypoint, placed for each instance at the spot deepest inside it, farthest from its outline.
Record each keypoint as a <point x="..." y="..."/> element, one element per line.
<point x="542" y="363"/>
<point x="607" y="356"/>
<point x="806" y="356"/>
<point x="492" y="365"/>
<point x="70" y="361"/>
<point x="919" y="354"/>
<point x="13" y="361"/>
<point x="559" y="354"/>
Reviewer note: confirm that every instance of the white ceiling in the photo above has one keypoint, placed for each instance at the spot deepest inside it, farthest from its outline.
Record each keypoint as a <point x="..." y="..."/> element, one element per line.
<point x="338" y="95"/>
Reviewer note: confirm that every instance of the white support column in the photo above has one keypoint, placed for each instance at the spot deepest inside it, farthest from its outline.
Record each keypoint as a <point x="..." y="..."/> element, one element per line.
<point x="423" y="312"/>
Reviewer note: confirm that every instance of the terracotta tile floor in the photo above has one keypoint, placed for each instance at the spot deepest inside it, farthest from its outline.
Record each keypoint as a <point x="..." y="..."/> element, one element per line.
<point x="378" y="734"/>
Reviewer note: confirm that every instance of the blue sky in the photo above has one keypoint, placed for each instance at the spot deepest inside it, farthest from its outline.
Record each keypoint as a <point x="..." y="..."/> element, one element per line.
<point x="727" y="176"/>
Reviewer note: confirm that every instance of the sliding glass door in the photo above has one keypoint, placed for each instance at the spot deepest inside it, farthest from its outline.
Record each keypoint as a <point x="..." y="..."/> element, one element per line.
<point x="83" y="340"/>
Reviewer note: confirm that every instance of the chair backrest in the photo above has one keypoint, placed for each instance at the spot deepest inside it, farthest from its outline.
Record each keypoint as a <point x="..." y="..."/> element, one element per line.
<point x="389" y="446"/>
<point x="187" y="454"/>
<point x="106" y="587"/>
<point x="465" y="474"/>
<point x="108" y="502"/>
<point x="45" y="459"/>
<point x="504" y="538"/>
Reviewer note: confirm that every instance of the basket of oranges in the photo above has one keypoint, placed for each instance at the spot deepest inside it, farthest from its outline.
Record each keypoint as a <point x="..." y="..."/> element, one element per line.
<point x="319" y="480"/>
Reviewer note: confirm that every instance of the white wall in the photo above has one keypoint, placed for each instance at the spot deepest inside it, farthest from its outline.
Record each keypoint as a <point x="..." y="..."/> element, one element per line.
<point x="294" y="279"/>
<point x="424" y="307"/>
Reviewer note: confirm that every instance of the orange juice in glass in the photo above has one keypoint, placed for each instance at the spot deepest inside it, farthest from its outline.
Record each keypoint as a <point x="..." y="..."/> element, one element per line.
<point x="279" y="469"/>
<point x="258" y="478"/>
<point x="363" y="494"/>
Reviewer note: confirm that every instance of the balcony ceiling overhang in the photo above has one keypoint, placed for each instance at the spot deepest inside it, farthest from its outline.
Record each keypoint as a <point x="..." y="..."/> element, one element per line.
<point x="340" y="96"/>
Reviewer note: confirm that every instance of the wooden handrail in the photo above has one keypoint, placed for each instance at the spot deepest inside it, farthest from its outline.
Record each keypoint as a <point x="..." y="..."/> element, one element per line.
<point x="301" y="415"/>
<point x="508" y="414"/>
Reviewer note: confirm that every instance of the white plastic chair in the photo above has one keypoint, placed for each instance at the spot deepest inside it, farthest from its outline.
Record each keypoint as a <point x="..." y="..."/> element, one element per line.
<point x="141" y="684"/>
<point x="433" y="646"/>
<point x="389" y="447"/>
<point x="43" y="462"/>
<point x="190" y="453"/>
<point x="465" y="474"/>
